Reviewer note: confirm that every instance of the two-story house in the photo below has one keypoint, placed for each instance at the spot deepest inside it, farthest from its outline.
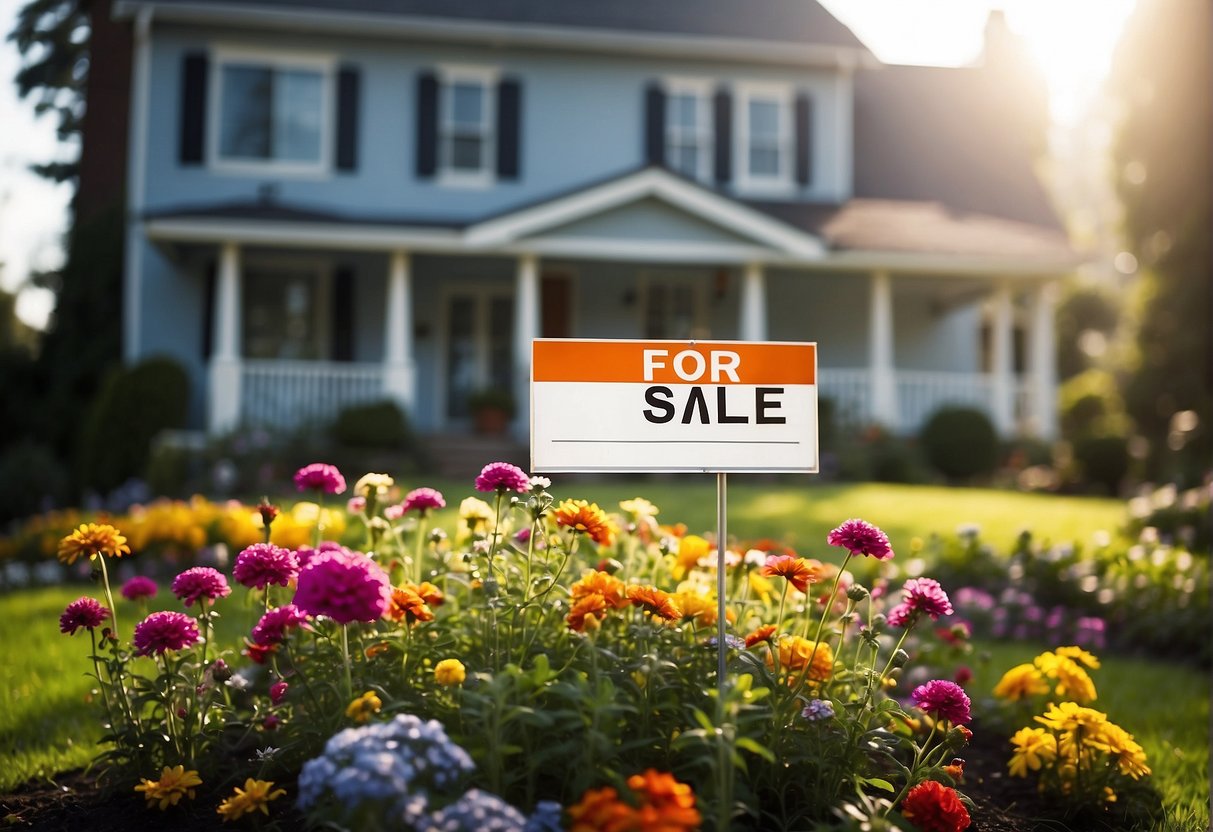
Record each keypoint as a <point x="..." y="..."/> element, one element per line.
<point x="333" y="202"/>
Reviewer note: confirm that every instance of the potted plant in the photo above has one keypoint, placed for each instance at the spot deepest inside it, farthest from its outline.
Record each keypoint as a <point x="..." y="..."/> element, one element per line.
<point x="492" y="409"/>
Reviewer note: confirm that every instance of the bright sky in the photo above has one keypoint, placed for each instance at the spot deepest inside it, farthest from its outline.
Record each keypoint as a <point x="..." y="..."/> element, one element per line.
<point x="1071" y="39"/>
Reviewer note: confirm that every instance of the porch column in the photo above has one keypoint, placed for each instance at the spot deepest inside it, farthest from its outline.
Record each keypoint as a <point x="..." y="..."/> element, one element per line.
<point x="1003" y="360"/>
<point x="224" y="399"/>
<point x="880" y="352"/>
<point x="1042" y="361"/>
<point x="399" y="372"/>
<point x="526" y="328"/>
<point x="753" y="325"/>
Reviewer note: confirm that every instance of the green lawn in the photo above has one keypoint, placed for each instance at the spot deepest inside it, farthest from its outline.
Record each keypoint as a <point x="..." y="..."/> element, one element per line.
<point x="801" y="513"/>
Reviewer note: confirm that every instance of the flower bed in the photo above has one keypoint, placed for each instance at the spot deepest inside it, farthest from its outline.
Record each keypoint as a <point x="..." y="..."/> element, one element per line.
<point x="543" y="665"/>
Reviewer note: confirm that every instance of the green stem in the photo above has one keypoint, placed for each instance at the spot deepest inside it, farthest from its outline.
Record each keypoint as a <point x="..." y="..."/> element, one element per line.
<point x="109" y="596"/>
<point x="100" y="684"/>
<point x="345" y="655"/>
<point x="904" y="634"/>
<point x="421" y="528"/>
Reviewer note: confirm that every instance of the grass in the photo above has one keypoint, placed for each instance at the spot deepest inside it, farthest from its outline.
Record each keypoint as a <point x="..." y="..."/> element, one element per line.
<point x="1163" y="705"/>
<point x="800" y="513"/>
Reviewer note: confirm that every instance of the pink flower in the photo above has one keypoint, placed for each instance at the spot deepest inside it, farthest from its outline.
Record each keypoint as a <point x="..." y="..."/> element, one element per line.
<point x="200" y="582"/>
<point x="861" y="538"/>
<point x="900" y="615"/>
<point x="306" y="553"/>
<point x="278" y="692"/>
<point x="943" y="700"/>
<point x="424" y="499"/>
<point x="271" y="722"/>
<point x="345" y="586"/>
<point x="273" y="626"/>
<point x="355" y="505"/>
<point x="139" y="587"/>
<point x="263" y="564"/>
<point x="320" y="476"/>
<point x="393" y="512"/>
<point x="163" y="631"/>
<point x="927" y="596"/>
<point x="501" y="476"/>
<point x="83" y="612"/>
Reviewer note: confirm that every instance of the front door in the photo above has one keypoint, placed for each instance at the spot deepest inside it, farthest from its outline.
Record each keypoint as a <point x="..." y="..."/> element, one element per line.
<point x="479" y="352"/>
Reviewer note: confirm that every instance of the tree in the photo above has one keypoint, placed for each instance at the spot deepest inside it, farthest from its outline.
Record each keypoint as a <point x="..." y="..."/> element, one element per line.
<point x="1162" y="157"/>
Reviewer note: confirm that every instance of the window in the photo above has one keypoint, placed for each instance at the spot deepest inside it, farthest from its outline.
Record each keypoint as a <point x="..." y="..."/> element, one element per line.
<point x="766" y="137"/>
<point x="467" y="140"/>
<point x="273" y="112"/>
<point x="688" y="135"/>
<point x="673" y="306"/>
<point x="286" y="313"/>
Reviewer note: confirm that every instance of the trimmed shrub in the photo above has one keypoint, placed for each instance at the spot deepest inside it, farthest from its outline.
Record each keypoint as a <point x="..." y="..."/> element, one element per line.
<point x="134" y="405"/>
<point x="960" y="443"/>
<point x="379" y="425"/>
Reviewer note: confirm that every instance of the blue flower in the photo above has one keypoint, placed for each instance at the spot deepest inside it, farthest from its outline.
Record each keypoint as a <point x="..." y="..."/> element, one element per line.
<point x="818" y="709"/>
<point x="478" y="811"/>
<point x="547" y="817"/>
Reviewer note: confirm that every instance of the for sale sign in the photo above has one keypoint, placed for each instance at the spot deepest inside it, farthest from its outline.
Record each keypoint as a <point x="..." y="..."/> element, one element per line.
<point x="704" y="406"/>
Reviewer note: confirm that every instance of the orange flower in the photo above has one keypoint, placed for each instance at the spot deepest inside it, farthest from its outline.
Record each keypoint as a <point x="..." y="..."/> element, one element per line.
<point x="588" y="606"/>
<point x="665" y="804"/>
<point x="801" y="658"/>
<point x="653" y="600"/>
<point x="406" y="605"/>
<point x="377" y="649"/>
<point x="763" y="633"/>
<point x="429" y="593"/>
<point x="700" y="607"/>
<point x="612" y="590"/>
<point x="93" y="539"/>
<point x="601" y="810"/>
<point x="587" y="518"/>
<point x="797" y="571"/>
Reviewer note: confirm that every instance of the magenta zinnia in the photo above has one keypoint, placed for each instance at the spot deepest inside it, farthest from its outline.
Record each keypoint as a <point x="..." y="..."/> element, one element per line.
<point x="139" y="587"/>
<point x="164" y="631"/>
<point x="273" y="626"/>
<point x="925" y="595"/>
<point x="84" y="613"/>
<point x="501" y="476"/>
<point x="860" y="537"/>
<point x="263" y="564"/>
<point x="306" y="553"/>
<point x="320" y="476"/>
<point x="345" y="586"/>
<point x="199" y="583"/>
<point x="422" y="500"/>
<point x="943" y="700"/>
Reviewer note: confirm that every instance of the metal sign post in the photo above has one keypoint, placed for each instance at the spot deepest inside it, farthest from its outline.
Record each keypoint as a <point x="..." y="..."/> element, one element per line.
<point x="722" y="510"/>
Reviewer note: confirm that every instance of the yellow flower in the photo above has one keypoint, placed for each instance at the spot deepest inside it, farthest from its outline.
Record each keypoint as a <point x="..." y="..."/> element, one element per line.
<point x="1072" y="681"/>
<point x="698" y="606"/>
<point x="255" y="796"/>
<point x="795" y="655"/>
<point x="450" y="672"/>
<point x="174" y="784"/>
<point x="364" y="707"/>
<point x="761" y="587"/>
<point x="93" y="539"/>
<point x="1080" y="655"/>
<point x="380" y="483"/>
<point x="1033" y="748"/>
<point x="475" y="513"/>
<point x="690" y="550"/>
<point x="1130" y="757"/>
<point x="1070" y="716"/>
<point x="639" y="509"/>
<point x="1021" y="682"/>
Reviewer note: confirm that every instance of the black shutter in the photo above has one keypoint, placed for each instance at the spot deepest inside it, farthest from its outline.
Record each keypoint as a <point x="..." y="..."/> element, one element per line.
<point x="348" y="89"/>
<point x="208" y="310"/>
<point x="193" y="107"/>
<point x="804" y="139"/>
<point x="722" y="113"/>
<point x="427" y="125"/>
<point x="509" y="127"/>
<point x="654" y="125"/>
<point x="343" y="314"/>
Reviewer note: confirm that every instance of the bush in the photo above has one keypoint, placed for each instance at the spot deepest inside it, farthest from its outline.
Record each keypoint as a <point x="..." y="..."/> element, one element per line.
<point x="31" y="480"/>
<point x="1090" y="404"/>
<point x="379" y="425"/>
<point x="1103" y="460"/>
<point x="960" y="443"/>
<point x="134" y="405"/>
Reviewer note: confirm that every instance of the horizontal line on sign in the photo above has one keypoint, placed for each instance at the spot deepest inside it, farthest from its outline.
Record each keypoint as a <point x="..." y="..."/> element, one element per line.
<point x="675" y="441"/>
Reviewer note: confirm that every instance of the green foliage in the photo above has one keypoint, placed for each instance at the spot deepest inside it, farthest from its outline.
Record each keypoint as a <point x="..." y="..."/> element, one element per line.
<point x="493" y="398"/>
<point x="379" y="425"/>
<point x="31" y="479"/>
<point x="1103" y="461"/>
<point x="960" y="443"/>
<point x="135" y="405"/>
<point x="1084" y="309"/>
<point x="1090" y="405"/>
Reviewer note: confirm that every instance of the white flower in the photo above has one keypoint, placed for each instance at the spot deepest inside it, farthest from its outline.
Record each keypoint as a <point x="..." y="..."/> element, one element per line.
<point x="540" y="483"/>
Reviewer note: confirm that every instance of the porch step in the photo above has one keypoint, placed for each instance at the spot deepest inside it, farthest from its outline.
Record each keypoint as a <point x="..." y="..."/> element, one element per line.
<point x="462" y="455"/>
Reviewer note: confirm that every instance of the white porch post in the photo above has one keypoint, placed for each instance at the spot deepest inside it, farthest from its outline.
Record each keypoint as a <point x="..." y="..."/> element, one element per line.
<point x="880" y="352"/>
<point x="753" y="324"/>
<point x="526" y="328"/>
<point x="399" y="372"/>
<point x="1042" y="361"/>
<point x="1003" y="360"/>
<point x="224" y="409"/>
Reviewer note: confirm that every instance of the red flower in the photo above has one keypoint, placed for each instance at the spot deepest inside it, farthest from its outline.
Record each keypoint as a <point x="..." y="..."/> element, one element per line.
<point x="933" y="807"/>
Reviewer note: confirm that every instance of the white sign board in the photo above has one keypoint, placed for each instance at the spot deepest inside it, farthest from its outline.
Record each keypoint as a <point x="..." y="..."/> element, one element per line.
<point x="703" y="406"/>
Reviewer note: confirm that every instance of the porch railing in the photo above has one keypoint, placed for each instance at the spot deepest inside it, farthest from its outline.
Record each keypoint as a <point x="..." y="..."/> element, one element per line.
<point x="851" y="393"/>
<point x="292" y="394"/>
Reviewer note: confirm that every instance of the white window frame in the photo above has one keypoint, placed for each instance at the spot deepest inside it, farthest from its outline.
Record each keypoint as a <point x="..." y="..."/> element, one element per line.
<point x="325" y="64"/>
<point x="487" y="78"/>
<point x="322" y="271"/>
<point x="695" y="281"/>
<point x="782" y="94"/>
<point x="701" y="90"/>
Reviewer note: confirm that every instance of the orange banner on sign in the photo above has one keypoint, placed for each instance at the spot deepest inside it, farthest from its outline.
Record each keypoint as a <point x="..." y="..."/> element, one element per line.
<point x="674" y="362"/>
